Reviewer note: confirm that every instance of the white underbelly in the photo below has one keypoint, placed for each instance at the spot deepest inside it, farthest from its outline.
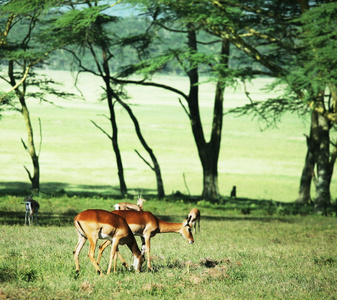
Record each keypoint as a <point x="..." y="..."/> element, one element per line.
<point x="104" y="236"/>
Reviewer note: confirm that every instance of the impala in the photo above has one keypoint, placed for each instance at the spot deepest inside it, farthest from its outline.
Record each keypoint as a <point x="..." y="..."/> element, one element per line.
<point x="194" y="217"/>
<point x="146" y="225"/>
<point x="32" y="207"/>
<point x="130" y="206"/>
<point x="94" y="224"/>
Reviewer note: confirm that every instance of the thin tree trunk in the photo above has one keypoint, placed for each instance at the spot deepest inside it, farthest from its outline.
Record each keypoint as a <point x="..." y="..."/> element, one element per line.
<point x="114" y="138"/>
<point x="307" y="176"/>
<point x="323" y="196"/>
<point x="155" y="167"/>
<point x="35" y="179"/>
<point x="333" y="108"/>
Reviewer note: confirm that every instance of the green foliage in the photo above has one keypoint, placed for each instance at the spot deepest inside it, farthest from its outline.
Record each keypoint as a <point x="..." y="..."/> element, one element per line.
<point x="82" y="25"/>
<point x="320" y="43"/>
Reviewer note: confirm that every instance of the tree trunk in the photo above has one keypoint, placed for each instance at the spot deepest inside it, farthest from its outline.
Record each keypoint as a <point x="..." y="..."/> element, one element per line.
<point x="35" y="179"/>
<point x="114" y="140"/>
<point x="333" y="108"/>
<point x="208" y="152"/>
<point x="210" y="178"/>
<point x="155" y="167"/>
<point x="304" y="195"/>
<point x="322" y="199"/>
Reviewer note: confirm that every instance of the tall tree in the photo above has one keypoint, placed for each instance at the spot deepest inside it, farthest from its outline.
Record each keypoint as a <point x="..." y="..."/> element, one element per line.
<point x="90" y="26"/>
<point x="319" y="47"/>
<point x="291" y="41"/>
<point x="20" y="51"/>
<point x="180" y="18"/>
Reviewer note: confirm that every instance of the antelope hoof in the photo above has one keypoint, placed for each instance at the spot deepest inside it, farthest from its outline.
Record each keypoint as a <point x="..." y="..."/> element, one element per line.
<point x="151" y="269"/>
<point x="77" y="274"/>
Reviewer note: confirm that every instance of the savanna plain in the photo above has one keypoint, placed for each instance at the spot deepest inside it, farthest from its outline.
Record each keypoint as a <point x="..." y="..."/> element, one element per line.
<point x="259" y="245"/>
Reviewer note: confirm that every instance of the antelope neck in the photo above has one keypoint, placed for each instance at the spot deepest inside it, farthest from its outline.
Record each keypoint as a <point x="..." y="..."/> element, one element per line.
<point x="165" y="227"/>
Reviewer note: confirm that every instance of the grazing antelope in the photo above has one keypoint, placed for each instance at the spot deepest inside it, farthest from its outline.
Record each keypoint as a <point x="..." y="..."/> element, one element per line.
<point x="94" y="224"/>
<point x="194" y="217"/>
<point x="146" y="225"/>
<point x="32" y="207"/>
<point x="130" y="206"/>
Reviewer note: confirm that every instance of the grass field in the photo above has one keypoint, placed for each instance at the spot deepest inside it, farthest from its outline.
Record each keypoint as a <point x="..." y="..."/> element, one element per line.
<point x="76" y="156"/>
<point x="248" y="248"/>
<point x="235" y="256"/>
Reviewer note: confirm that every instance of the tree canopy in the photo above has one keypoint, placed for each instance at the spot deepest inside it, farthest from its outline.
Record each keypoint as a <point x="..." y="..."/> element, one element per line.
<point x="230" y="41"/>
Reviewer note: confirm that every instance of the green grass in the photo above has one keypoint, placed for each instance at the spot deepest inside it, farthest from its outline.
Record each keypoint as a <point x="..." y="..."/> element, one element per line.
<point x="76" y="156"/>
<point x="248" y="248"/>
<point x="273" y="254"/>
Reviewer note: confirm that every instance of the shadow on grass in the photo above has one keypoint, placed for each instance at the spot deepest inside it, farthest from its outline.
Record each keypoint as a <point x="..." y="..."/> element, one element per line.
<point x="237" y="209"/>
<point x="66" y="219"/>
<point x="23" y="189"/>
<point x="44" y="219"/>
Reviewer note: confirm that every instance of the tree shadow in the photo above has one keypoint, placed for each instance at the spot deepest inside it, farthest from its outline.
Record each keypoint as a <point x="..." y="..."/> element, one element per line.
<point x="233" y="209"/>
<point x="23" y="189"/>
<point x="44" y="219"/>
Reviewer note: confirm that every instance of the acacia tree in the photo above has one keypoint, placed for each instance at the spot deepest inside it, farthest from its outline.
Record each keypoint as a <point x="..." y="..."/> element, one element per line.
<point x="298" y="52"/>
<point x="273" y="42"/>
<point x="180" y="18"/>
<point x="89" y="27"/>
<point x="18" y="49"/>
<point x="319" y="44"/>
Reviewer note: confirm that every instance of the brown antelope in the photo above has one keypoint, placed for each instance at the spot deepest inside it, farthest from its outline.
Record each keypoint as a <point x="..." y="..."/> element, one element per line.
<point x="130" y="206"/>
<point x="146" y="225"/>
<point x="94" y="224"/>
<point x="32" y="207"/>
<point x="194" y="217"/>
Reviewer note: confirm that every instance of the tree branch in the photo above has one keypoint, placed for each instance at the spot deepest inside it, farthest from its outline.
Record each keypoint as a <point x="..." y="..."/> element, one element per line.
<point x="331" y="116"/>
<point x="221" y="4"/>
<point x="253" y="32"/>
<point x="144" y="160"/>
<point x="29" y="175"/>
<point x="80" y="63"/>
<point x="154" y="84"/>
<point x="184" y="108"/>
<point x="24" y="145"/>
<point x="252" y="102"/>
<point x="16" y="85"/>
<point x="185" y="182"/>
<point x="100" y="128"/>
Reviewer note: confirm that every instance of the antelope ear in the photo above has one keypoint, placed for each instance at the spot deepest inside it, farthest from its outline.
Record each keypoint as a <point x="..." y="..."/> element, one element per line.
<point x="188" y="221"/>
<point x="28" y="198"/>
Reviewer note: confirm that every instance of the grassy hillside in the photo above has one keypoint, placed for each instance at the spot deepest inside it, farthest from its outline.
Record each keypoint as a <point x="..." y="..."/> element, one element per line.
<point x="76" y="156"/>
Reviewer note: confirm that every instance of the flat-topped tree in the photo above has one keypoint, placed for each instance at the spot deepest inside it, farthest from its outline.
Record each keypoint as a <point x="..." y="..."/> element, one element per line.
<point x="21" y="51"/>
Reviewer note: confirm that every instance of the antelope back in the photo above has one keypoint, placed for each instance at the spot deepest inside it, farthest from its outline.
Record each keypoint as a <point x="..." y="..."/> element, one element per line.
<point x="104" y="222"/>
<point x="138" y="218"/>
